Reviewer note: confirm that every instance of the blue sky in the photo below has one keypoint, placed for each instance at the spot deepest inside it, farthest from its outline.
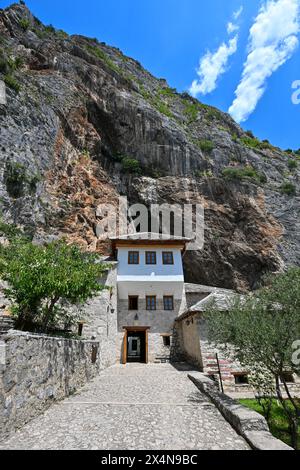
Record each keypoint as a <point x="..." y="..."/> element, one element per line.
<point x="169" y="37"/>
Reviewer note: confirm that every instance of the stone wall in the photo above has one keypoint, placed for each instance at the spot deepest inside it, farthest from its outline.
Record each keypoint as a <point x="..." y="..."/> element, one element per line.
<point x="37" y="370"/>
<point x="100" y="317"/>
<point x="195" y="348"/>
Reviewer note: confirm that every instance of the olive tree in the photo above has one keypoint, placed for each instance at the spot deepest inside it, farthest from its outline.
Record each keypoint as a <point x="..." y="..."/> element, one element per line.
<point x="262" y="330"/>
<point x="42" y="278"/>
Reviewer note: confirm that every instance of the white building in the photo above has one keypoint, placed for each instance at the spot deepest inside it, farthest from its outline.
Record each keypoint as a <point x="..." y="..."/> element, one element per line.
<point x="150" y="291"/>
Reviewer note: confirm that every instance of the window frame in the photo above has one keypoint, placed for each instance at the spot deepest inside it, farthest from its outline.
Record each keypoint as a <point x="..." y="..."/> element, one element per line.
<point x="168" y="253"/>
<point x="167" y="297"/>
<point x="150" y="253"/>
<point x="151" y="297"/>
<point x="133" y="253"/>
<point x="130" y="298"/>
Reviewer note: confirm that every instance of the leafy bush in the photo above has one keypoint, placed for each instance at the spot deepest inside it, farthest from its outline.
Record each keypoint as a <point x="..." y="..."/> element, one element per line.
<point x="288" y="188"/>
<point x="3" y="65"/>
<point x="17" y="179"/>
<point x="191" y="111"/>
<point x="205" y="145"/>
<point x="168" y="92"/>
<point x="40" y="278"/>
<point x="50" y="29"/>
<point x="204" y="174"/>
<point x="260" y="330"/>
<point x="251" y="142"/>
<point x="131" y="165"/>
<point x="12" y="82"/>
<point x="100" y="54"/>
<point x="292" y="164"/>
<point x="24" y="23"/>
<point x="242" y="173"/>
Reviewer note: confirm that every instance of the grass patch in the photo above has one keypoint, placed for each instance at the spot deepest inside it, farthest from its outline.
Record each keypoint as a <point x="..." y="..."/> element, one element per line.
<point x="24" y="23"/>
<point x="12" y="83"/>
<point x="254" y="143"/>
<point x="292" y="165"/>
<point x="168" y="92"/>
<point x="243" y="173"/>
<point x="204" y="145"/>
<point x="278" y="422"/>
<point x="191" y="111"/>
<point x="131" y="165"/>
<point x="288" y="188"/>
<point x="99" y="54"/>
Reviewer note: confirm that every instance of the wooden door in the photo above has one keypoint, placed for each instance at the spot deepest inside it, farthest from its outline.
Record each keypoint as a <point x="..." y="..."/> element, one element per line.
<point x="124" y="359"/>
<point x="146" y="346"/>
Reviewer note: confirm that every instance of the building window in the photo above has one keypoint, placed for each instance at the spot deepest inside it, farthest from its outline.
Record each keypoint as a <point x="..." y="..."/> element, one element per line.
<point x="150" y="257"/>
<point x="133" y="302"/>
<point x="167" y="340"/>
<point x="168" y="302"/>
<point x="151" y="302"/>
<point x="241" y="379"/>
<point x="167" y="257"/>
<point x="133" y="257"/>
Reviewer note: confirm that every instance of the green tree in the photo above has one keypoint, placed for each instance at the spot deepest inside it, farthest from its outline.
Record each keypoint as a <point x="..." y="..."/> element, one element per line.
<point x="42" y="278"/>
<point x="261" y="331"/>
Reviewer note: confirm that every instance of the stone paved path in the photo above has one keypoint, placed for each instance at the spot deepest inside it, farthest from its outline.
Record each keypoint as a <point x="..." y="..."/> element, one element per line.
<point x="131" y="407"/>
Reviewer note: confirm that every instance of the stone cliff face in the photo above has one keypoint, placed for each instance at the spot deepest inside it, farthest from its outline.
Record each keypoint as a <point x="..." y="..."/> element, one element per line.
<point x="84" y="124"/>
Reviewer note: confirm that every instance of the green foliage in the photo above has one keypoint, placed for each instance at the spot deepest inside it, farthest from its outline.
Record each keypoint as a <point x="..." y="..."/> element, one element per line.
<point x="24" y="23"/>
<point x="100" y="54"/>
<point x="10" y="231"/>
<point x="204" y="174"/>
<point x="205" y="145"/>
<point x="42" y="278"/>
<point x="292" y="164"/>
<point x="17" y="179"/>
<point x="288" y="188"/>
<point x="168" y="92"/>
<point x="3" y="65"/>
<point x="261" y="330"/>
<point x="277" y="420"/>
<point x="252" y="142"/>
<point x="289" y="151"/>
<point x="243" y="173"/>
<point x="12" y="82"/>
<point x="50" y="29"/>
<point x="156" y="101"/>
<point x="191" y="111"/>
<point x="250" y="134"/>
<point x="131" y="165"/>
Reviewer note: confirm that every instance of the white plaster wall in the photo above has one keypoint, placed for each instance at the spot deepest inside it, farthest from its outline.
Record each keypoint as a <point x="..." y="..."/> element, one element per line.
<point x="143" y="269"/>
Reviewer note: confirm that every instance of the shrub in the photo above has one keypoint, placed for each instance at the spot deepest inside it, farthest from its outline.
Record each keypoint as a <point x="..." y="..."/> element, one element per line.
<point x="241" y="173"/>
<point x="251" y="142"/>
<point x="97" y="52"/>
<point x="191" y="111"/>
<point x="3" y="65"/>
<point x="292" y="164"/>
<point x="131" y="165"/>
<point x="169" y="92"/>
<point x="250" y="134"/>
<point x="11" y="82"/>
<point x="24" y="23"/>
<point x="41" y="277"/>
<point x="50" y="29"/>
<point x="205" y="145"/>
<point x="288" y="188"/>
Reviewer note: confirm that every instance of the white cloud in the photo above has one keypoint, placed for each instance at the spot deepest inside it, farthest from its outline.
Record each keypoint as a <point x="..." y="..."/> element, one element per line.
<point x="211" y="67"/>
<point x="231" y="28"/>
<point x="238" y="13"/>
<point x="272" y="41"/>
